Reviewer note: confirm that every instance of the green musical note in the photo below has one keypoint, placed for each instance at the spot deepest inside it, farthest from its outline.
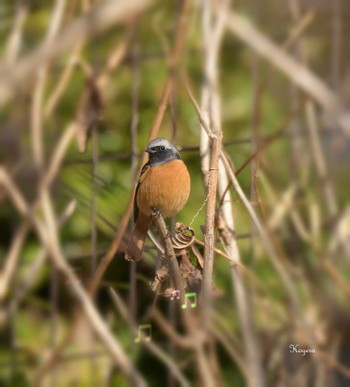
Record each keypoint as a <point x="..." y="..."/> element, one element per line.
<point x="144" y="332"/>
<point x="188" y="296"/>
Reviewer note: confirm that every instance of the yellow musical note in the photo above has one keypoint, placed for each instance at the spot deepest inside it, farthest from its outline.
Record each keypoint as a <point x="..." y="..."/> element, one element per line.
<point x="144" y="332"/>
<point x="188" y="296"/>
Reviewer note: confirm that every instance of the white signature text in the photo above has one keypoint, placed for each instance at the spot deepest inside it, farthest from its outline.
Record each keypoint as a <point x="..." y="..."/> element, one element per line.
<point x="295" y="348"/>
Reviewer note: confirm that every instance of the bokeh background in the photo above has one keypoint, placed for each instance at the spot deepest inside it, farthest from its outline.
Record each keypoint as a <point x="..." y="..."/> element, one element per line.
<point x="83" y="86"/>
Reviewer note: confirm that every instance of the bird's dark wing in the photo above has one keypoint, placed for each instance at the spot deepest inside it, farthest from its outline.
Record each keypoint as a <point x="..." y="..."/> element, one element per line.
<point x="136" y="209"/>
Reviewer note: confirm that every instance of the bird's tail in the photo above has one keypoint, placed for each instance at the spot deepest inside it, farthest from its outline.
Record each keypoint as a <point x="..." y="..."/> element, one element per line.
<point x="135" y="247"/>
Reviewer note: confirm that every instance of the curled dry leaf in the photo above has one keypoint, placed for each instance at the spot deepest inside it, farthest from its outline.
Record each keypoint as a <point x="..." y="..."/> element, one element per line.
<point x="184" y="236"/>
<point x="191" y="277"/>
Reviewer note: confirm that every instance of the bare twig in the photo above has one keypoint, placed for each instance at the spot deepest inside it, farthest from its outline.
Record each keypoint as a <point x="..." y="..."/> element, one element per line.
<point x="299" y="29"/>
<point x="135" y="89"/>
<point x="319" y="160"/>
<point x="31" y="274"/>
<point x="187" y="342"/>
<point x="63" y="81"/>
<point x="14" y="43"/>
<point x="107" y="258"/>
<point x="100" y="18"/>
<point x="287" y="281"/>
<point x="151" y="346"/>
<point x="37" y="102"/>
<point x="10" y="262"/>
<point x="212" y="113"/>
<point x="212" y="36"/>
<point x="48" y="236"/>
<point x="170" y="254"/>
<point x="231" y="350"/>
<point x="338" y="279"/>
<point x="298" y="73"/>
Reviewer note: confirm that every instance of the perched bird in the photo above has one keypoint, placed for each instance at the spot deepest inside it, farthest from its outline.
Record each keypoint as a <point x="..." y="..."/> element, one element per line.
<point x="164" y="184"/>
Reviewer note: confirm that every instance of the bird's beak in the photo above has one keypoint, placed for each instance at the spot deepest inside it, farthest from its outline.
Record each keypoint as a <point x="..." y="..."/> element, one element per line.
<point x="148" y="150"/>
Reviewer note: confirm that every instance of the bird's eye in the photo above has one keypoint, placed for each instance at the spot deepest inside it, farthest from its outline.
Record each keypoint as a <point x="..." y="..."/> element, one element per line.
<point x="162" y="148"/>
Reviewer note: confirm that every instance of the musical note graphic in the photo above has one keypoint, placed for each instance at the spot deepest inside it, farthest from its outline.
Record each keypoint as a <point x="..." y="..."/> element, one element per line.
<point x="175" y="293"/>
<point x="144" y="333"/>
<point x="188" y="296"/>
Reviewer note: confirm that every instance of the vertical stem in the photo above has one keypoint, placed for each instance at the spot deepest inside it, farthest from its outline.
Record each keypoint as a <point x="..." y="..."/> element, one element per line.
<point x="37" y="102"/>
<point x="212" y="27"/>
<point x="93" y="202"/>
<point x="53" y="317"/>
<point x="336" y="43"/>
<point x="12" y="343"/>
<point x="209" y="235"/>
<point x="256" y="375"/>
<point x="135" y="74"/>
<point x="93" y="262"/>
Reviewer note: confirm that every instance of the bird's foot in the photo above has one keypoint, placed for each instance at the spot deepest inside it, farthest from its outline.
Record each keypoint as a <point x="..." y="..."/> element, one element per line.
<point x="156" y="213"/>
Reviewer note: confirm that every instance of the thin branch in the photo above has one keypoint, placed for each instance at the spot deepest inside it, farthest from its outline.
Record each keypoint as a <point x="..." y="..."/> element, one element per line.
<point x="256" y="377"/>
<point x="170" y="254"/>
<point x="39" y="89"/>
<point x="63" y="81"/>
<point x="320" y="163"/>
<point x="99" y="19"/>
<point x="287" y="281"/>
<point x="187" y="342"/>
<point x="60" y="150"/>
<point x="232" y="351"/>
<point x="14" y="43"/>
<point x="48" y="236"/>
<point x="212" y="38"/>
<point x="107" y="258"/>
<point x="151" y="346"/>
<point x="10" y="265"/>
<point x="30" y="276"/>
<point x="299" y="29"/>
<point x="298" y="73"/>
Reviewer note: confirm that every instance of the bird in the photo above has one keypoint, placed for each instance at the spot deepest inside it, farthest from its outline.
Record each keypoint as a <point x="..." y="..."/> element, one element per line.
<point x="164" y="185"/>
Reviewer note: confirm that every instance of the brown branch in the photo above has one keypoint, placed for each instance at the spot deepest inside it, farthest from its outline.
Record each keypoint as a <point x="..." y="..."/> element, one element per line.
<point x="63" y="81"/>
<point x="319" y="159"/>
<point x="287" y="281"/>
<point x="212" y="29"/>
<point x="186" y="342"/>
<point x="297" y="72"/>
<point x="27" y="281"/>
<point x="299" y="29"/>
<point x="99" y="19"/>
<point x="209" y="233"/>
<point x="14" y="43"/>
<point x="107" y="258"/>
<point x="10" y="261"/>
<point x="256" y="377"/>
<point x="169" y="254"/>
<point x="151" y="346"/>
<point x="233" y="352"/>
<point x="47" y="234"/>
<point x="194" y="331"/>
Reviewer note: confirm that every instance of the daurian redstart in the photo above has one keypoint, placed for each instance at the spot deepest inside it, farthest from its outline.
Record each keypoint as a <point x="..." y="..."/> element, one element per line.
<point x="164" y="184"/>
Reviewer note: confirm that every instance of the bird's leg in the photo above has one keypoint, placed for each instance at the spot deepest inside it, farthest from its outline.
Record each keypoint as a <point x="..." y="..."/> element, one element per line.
<point x="156" y="214"/>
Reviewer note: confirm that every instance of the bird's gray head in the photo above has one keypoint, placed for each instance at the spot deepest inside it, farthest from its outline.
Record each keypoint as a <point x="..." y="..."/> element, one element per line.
<point x="161" y="151"/>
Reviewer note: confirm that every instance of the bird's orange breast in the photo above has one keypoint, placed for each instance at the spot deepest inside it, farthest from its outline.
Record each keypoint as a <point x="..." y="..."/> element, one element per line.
<point x="166" y="187"/>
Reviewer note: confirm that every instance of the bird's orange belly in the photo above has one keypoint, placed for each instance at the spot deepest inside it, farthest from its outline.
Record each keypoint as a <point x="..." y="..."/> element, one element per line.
<point x="166" y="187"/>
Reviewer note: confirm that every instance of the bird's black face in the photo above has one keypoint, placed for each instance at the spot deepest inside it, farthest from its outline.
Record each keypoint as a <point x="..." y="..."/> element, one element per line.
<point x="161" y="152"/>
